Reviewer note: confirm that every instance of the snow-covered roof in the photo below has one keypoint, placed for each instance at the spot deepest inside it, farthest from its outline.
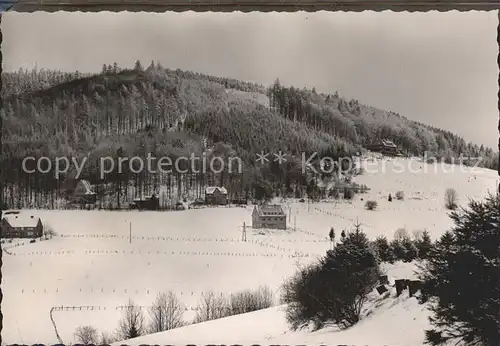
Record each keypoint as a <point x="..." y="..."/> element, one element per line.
<point x="384" y="142"/>
<point x="22" y="220"/>
<point x="388" y="143"/>
<point x="211" y="189"/>
<point x="10" y="212"/>
<point x="270" y="209"/>
<point x="87" y="187"/>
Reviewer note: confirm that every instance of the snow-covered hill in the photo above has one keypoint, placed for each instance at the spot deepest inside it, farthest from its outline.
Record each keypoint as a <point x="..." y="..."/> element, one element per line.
<point x="389" y="320"/>
<point x="93" y="266"/>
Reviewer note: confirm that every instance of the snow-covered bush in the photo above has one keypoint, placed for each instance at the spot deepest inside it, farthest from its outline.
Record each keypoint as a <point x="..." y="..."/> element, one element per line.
<point x="371" y="205"/>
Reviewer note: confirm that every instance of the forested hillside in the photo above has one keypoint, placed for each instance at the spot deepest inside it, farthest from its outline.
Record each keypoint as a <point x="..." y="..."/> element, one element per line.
<point x="361" y="124"/>
<point x="164" y="112"/>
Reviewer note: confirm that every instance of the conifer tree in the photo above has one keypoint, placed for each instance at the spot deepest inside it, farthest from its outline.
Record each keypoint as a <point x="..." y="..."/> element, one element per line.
<point x="350" y="272"/>
<point x="336" y="288"/>
<point x="383" y="249"/>
<point x="424" y="245"/>
<point x="461" y="278"/>
<point x="138" y="66"/>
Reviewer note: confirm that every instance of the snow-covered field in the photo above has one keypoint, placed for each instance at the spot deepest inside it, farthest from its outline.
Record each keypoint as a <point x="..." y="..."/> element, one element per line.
<point x="387" y="321"/>
<point x="93" y="266"/>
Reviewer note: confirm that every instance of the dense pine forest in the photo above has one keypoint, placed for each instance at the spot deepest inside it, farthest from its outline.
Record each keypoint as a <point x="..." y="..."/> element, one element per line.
<point x="174" y="113"/>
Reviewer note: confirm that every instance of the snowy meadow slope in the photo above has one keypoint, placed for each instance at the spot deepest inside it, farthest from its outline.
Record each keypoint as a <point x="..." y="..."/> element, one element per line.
<point x="93" y="264"/>
<point x="387" y="321"/>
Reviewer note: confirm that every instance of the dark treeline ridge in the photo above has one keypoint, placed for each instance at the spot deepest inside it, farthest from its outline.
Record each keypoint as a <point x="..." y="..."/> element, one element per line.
<point x="361" y="124"/>
<point x="174" y="113"/>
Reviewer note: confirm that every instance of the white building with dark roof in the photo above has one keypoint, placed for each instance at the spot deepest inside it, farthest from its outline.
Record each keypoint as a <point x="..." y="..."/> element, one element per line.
<point x="268" y="216"/>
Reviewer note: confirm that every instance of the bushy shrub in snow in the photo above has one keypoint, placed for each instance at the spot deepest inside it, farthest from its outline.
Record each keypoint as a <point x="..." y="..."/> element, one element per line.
<point x="371" y="205"/>
<point x="336" y="288"/>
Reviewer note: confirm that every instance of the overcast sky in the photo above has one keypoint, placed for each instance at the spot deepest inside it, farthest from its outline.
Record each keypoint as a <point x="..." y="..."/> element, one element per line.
<point x="437" y="68"/>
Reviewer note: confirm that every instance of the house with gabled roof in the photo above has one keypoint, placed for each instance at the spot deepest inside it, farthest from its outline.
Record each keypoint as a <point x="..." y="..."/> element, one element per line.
<point x="83" y="192"/>
<point x="216" y="195"/>
<point x="268" y="216"/>
<point x="21" y="226"/>
<point x="383" y="146"/>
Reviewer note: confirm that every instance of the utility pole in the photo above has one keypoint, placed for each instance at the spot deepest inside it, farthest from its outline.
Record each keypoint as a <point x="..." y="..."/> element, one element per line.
<point x="244" y="233"/>
<point x="130" y="232"/>
<point x="295" y="223"/>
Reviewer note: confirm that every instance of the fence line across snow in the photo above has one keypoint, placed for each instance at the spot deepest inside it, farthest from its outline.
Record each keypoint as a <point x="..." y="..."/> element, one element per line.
<point x="295" y="253"/>
<point x="192" y="239"/>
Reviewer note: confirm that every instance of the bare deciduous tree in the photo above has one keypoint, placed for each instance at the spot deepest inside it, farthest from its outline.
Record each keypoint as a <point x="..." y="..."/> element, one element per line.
<point x="106" y="339"/>
<point x="212" y="306"/>
<point x="450" y="199"/>
<point x="132" y="322"/>
<point x="166" y="313"/>
<point x="248" y="301"/>
<point x="48" y="232"/>
<point x="86" y="335"/>
<point x="401" y="234"/>
<point x="418" y="234"/>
